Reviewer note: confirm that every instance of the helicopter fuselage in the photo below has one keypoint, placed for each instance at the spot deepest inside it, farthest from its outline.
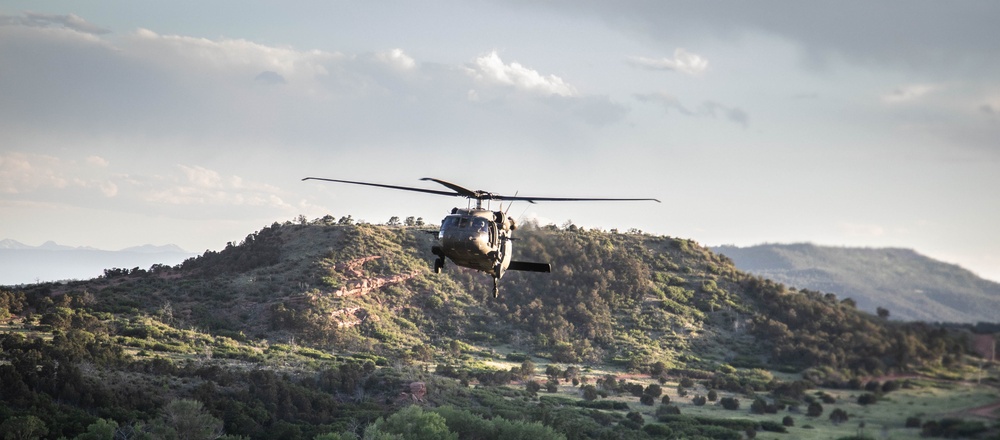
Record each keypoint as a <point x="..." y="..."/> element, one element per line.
<point x="476" y="238"/>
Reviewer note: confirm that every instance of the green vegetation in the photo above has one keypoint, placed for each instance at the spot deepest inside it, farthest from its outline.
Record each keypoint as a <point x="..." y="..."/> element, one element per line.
<point x="336" y="330"/>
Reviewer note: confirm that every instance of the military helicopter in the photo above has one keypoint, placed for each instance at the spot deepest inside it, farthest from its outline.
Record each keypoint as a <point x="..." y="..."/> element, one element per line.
<point x="478" y="238"/>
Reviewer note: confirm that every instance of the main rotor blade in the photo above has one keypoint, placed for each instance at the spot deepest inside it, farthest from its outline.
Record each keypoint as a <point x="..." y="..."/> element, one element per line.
<point x="463" y="191"/>
<point x="481" y="195"/>
<point x="404" y="188"/>
<point x="569" y="199"/>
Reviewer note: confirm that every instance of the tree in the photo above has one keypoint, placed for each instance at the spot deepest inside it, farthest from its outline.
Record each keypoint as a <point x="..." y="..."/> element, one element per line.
<point x="100" y="430"/>
<point x="838" y="416"/>
<point x="699" y="400"/>
<point x="882" y="313"/>
<point x="589" y="392"/>
<point x="410" y="221"/>
<point x="413" y="423"/>
<point x="552" y="371"/>
<point x="527" y="369"/>
<point x="393" y="221"/>
<point x="730" y="403"/>
<point x="653" y="390"/>
<point x="788" y="421"/>
<point x="867" y="399"/>
<point x="815" y="409"/>
<point x="532" y="386"/>
<point x="23" y="428"/>
<point x="552" y="386"/>
<point x="187" y="419"/>
<point x="712" y="396"/>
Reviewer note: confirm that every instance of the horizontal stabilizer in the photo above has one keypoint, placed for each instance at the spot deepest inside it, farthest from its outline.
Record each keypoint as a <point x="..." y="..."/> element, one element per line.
<point x="529" y="267"/>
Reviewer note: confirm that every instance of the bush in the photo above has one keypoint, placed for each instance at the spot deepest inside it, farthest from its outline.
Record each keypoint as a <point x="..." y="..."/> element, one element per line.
<point x="814" y="410"/>
<point x="730" y="403"/>
<point x="788" y="421"/>
<point x="768" y="425"/>
<point x="867" y="399"/>
<point x="647" y="400"/>
<point x="699" y="400"/>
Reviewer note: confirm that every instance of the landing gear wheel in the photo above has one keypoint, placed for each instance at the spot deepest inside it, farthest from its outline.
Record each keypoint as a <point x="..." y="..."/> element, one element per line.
<point x="438" y="265"/>
<point x="496" y="289"/>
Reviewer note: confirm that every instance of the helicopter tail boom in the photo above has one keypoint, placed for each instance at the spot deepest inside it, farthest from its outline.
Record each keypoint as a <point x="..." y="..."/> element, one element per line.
<point x="530" y="267"/>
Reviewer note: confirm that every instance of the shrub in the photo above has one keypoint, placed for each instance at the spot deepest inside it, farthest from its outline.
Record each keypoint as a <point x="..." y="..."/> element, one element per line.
<point x="867" y="399"/>
<point x="730" y="403"/>
<point x="814" y="410"/>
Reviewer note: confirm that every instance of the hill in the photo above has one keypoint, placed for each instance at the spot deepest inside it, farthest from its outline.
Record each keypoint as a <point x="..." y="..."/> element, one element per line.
<point x="318" y="329"/>
<point x="909" y="285"/>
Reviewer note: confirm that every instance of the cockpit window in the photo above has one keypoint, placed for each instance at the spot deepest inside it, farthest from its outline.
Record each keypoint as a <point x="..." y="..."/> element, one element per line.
<point x="480" y="225"/>
<point x="449" y="221"/>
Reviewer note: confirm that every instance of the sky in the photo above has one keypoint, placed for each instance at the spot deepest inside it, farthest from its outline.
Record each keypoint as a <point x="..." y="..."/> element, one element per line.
<point x="846" y="123"/>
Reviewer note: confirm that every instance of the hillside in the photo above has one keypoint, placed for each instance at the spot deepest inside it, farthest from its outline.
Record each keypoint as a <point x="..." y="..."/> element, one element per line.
<point x="909" y="285"/>
<point x="309" y="329"/>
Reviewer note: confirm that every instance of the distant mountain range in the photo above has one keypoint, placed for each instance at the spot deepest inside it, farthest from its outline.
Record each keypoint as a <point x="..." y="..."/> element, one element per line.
<point x="24" y="264"/>
<point x="911" y="286"/>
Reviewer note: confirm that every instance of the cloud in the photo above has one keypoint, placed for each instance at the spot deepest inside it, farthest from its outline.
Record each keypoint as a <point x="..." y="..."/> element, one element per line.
<point x="397" y="59"/>
<point x="908" y="93"/>
<point x="683" y="62"/>
<point x="707" y="108"/>
<point x="184" y="93"/>
<point x="97" y="161"/>
<point x="27" y="175"/>
<point x="270" y="78"/>
<point x="945" y="38"/>
<point x="71" y="21"/>
<point x="490" y="69"/>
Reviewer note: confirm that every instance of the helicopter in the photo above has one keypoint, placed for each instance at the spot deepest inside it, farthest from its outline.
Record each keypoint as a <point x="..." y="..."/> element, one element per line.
<point x="478" y="238"/>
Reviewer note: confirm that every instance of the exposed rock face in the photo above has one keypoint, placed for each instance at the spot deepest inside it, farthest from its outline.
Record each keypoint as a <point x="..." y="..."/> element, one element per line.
<point x="359" y="286"/>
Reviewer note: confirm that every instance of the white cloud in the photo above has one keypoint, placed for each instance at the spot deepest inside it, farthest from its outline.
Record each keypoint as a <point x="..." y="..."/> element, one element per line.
<point x="97" y="161"/>
<point x="29" y="175"/>
<point x="229" y="57"/>
<point x="491" y="69"/>
<point x="21" y="173"/>
<point x="200" y="186"/>
<point x="683" y="62"/>
<point x="397" y="59"/>
<point x="71" y="22"/>
<point x="909" y="93"/>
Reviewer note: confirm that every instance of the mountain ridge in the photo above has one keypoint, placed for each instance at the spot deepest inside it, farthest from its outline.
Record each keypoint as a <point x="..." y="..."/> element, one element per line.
<point x="24" y="264"/>
<point x="911" y="286"/>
